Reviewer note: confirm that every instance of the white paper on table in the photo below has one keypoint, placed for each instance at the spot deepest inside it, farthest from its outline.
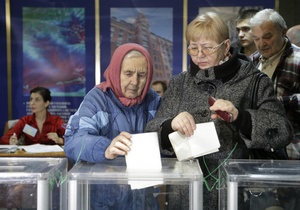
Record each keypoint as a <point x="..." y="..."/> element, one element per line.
<point x="41" y="148"/>
<point x="204" y="141"/>
<point x="144" y="157"/>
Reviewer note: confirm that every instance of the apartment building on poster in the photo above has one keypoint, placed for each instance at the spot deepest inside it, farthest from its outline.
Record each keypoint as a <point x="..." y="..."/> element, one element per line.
<point x="160" y="49"/>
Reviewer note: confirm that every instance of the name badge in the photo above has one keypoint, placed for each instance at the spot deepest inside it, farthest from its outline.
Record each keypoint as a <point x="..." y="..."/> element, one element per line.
<point x="31" y="131"/>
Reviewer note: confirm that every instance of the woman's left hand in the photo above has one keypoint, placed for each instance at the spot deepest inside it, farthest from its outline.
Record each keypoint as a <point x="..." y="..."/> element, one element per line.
<point x="54" y="137"/>
<point x="184" y="123"/>
<point x="224" y="105"/>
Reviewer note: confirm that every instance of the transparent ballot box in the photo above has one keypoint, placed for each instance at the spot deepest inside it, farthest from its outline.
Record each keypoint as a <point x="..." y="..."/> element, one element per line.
<point x="260" y="185"/>
<point x="111" y="186"/>
<point x="33" y="183"/>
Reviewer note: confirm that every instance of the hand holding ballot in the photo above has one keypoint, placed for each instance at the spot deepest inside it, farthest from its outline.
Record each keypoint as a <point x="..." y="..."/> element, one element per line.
<point x="110" y="114"/>
<point x="120" y="145"/>
<point x="204" y="141"/>
<point x="184" y="123"/>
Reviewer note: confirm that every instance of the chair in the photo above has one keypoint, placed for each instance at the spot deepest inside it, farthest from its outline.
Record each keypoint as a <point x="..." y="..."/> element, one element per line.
<point x="9" y="124"/>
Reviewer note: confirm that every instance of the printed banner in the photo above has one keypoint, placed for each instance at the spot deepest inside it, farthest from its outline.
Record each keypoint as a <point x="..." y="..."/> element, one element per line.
<point x="156" y="25"/>
<point x="50" y="42"/>
<point x="53" y="43"/>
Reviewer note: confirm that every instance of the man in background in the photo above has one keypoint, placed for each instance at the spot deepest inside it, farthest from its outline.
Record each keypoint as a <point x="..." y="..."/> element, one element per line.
<point x="245" y="41"/>
<point x="159" y="86"/>
<point x="280" y="60"/>
<point x="294" y="35"/>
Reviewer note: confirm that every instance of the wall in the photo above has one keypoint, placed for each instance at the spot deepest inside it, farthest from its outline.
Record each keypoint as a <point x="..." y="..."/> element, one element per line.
<point x="289" y="9"/>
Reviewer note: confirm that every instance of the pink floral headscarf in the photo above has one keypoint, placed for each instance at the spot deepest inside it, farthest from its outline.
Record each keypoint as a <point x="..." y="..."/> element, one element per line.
<point x="112" y="74"/>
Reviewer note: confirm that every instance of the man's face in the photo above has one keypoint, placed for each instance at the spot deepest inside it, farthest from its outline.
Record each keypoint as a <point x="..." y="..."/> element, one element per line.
<point x="268" y="39"/>
<point x="133" y="76"/>
<point x="244" y="33"/>
<point x="158" y="88"/>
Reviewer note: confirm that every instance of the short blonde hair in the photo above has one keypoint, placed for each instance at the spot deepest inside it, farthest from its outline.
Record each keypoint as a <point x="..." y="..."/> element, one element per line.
<point x="210" y="26"/>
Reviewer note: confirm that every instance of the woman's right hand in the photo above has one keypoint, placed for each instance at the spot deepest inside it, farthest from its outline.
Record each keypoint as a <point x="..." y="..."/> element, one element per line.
<point x="120" y="145"/>
<point x="184" y="123"/>
<point x="13" y="140"/>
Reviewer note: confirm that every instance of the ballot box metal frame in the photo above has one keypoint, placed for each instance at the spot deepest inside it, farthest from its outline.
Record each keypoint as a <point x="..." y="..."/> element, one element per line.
<point x="249" y="173"/>
<point x="173" y="172"/>
<point x="40" y="171"/>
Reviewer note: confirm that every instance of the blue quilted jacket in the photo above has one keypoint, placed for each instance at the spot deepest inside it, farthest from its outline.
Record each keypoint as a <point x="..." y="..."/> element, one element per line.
<point x="100" y="118"/>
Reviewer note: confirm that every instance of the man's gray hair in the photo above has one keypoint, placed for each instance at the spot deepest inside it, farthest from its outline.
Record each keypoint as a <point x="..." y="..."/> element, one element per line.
<point x="268" y="15"/>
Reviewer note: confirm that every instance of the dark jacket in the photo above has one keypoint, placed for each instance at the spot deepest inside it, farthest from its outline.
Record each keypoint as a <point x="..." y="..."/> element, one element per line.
<point x="286" y="80"/>
<point x="267" y="127"/>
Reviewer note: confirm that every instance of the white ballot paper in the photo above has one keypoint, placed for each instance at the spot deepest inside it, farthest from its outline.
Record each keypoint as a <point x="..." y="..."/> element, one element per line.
<point x="41" y="148"/>
<point x="204" y="141"/>
<point x="144" y="158"/>
<point x="34" y="148"/>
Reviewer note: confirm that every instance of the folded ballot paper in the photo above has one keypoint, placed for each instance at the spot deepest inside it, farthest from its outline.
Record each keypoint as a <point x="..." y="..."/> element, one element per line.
<point x="204" y="141"/>
<point x="143" y="160"/>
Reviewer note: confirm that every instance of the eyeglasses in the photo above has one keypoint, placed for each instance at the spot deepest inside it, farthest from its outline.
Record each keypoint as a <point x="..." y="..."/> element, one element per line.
<point x="194" y="50"/>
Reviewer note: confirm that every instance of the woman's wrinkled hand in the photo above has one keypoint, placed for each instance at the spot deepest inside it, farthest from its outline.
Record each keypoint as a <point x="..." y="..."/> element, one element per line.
<point x="184" y="123"/>
<point x="224" y="105"/>
<point x="120" y="145"/>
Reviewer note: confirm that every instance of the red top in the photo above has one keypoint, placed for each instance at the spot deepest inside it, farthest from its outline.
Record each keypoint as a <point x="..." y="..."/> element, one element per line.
<point x="51" y="124"/>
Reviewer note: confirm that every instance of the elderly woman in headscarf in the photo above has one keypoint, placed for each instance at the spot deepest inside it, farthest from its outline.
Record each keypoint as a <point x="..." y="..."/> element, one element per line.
<point x="101" y="128"/>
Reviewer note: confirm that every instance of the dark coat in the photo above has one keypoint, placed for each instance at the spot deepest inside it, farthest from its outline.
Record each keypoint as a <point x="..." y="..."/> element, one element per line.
<point x="267" y="127"/>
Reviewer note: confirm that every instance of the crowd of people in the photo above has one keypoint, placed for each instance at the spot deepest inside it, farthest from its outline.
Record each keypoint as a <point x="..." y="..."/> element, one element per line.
<point x="129" y="102"/>
<point x="277" y="57"/>
<point x="218" y="70"/>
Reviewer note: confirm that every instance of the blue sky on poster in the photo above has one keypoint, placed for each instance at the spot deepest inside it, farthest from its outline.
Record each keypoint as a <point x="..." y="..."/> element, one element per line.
<point x="160" y="19"/>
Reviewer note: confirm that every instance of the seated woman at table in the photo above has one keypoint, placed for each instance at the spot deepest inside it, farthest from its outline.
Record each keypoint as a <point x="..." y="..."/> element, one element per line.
<point x="39" y="127"/>
<point x="101" y="128"/>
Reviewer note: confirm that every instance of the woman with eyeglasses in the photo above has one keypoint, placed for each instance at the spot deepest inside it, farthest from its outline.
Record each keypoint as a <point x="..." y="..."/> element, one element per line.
<point x="218" y="71"/>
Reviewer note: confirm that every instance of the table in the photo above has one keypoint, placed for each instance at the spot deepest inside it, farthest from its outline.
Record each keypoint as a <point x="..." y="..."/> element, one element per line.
<point x="22" y="153"/>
